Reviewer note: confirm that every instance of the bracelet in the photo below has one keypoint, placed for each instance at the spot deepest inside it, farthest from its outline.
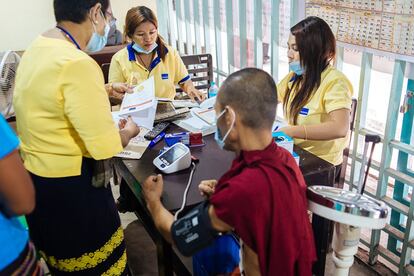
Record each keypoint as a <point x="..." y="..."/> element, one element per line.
<point x="306" y="133"/>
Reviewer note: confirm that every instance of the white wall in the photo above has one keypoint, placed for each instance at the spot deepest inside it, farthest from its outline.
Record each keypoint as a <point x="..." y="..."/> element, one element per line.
<point x="21" y="21"/>
<point x="121" y="7"/>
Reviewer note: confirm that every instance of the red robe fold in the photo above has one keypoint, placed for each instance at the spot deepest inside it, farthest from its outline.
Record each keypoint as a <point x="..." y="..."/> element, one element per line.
<point x="263" y="197"/>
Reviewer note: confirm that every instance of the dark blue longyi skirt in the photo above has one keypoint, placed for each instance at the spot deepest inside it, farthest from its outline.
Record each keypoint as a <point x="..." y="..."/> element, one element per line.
<point x="76" y="227"/>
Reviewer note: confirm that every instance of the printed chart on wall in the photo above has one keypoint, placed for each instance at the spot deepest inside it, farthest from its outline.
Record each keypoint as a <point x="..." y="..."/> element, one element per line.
<point x="384" y="27"/>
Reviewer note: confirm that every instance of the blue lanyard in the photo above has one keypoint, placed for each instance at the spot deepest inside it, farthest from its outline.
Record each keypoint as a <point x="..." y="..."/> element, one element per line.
<point x="69" y="35"/>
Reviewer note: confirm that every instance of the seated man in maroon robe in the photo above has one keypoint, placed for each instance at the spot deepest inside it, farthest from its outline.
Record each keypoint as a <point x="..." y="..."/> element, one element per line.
<point x="262" y="198"/>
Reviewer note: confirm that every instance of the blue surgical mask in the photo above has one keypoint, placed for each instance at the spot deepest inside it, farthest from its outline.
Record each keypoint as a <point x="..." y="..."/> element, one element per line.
<point x="296" y="67"/>
<point x="217" y="136"/>
<point x="140" y="50"/>
<point x="97" y="41"/>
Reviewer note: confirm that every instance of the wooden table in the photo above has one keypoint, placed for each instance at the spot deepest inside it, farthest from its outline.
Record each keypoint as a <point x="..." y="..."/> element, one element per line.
<point x="213" y="164"/>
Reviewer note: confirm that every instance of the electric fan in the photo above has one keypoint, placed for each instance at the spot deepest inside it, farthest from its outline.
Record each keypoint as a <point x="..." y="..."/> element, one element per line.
<point x="8" y="66"/>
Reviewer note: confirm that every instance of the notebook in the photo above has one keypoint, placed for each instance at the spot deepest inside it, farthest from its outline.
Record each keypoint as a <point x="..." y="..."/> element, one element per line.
<point x="194" y="124"/>
<point x="207" y="115"/>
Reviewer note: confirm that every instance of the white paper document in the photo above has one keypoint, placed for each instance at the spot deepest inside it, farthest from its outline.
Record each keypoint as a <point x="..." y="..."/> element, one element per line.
<point x="278" y="124"/>
<point x="136" y="146"/>
<point x="141" y="105"/>
<point x="184" y="103"/>
<point x="207" y="115"/>
<point x="201" y="119"/>
<point x="208" y="103"/>
<point x="193" y="123"/>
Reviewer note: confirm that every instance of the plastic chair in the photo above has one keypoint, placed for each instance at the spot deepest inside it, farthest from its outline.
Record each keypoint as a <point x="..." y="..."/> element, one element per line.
<point x="222" y="257"/>
<point x="200" y="69"/>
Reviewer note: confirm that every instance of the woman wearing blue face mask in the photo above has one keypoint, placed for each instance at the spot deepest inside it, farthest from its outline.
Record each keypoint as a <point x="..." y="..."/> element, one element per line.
<point x="148" y="56"/>
<point x="65" y="126"/>
<point x="316" y="97"/>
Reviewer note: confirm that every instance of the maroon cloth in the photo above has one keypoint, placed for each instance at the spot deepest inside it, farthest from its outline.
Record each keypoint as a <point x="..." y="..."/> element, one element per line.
<point x="263" y="197"/>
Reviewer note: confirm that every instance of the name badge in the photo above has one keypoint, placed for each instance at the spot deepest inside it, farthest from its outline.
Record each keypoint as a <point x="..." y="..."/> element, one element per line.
<point x="304" y="111"/>
<point x="164" y="76"/>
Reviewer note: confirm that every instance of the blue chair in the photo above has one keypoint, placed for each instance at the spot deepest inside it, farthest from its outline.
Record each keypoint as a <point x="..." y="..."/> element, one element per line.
<point x="219" y="258"/>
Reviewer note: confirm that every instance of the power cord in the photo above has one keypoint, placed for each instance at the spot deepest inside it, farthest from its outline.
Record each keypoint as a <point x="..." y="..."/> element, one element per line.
<point x="190" y="179"/>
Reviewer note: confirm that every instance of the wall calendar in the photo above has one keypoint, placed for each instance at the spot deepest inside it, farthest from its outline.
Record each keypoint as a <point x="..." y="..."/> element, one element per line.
<point x="384" y="27"/>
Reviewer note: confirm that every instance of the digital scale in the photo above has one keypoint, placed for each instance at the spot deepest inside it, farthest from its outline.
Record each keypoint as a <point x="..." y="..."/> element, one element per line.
<point x="350" y="211"/>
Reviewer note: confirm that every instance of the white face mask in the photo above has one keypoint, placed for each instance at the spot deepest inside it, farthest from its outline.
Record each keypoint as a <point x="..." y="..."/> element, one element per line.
<point x="97" y="41"/>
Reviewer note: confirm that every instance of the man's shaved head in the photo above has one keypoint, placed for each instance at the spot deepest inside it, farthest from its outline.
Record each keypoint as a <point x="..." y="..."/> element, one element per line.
<point x="251" y="92"/>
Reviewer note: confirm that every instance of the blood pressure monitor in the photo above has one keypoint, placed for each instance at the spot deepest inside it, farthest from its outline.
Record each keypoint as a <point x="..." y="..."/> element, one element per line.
<point x="174" y="159"/>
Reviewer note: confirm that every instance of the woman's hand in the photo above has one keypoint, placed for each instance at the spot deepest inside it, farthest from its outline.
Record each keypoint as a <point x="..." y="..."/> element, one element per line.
<point x="130" y="126"/>
<point x="128" y="129"/>
<point x="192" y="92"/>
<point x="336" y="126"/>
<point x="117" y="90"/>
<point x="288" y="130"/>
<point x="196" y="95"/>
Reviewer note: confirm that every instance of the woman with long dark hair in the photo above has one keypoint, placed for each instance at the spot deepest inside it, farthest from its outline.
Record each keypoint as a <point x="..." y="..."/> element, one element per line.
<point x="67" y="131"/>
<point x="316" y="97"/>
<point x="149" y="56"/>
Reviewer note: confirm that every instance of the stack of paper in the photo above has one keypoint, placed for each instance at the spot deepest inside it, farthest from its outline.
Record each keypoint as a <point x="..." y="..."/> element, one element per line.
<point x="209" y="103"/>
<point x="141" y="104"/>
<point x="195" y="124"/>
<point x="207" y="115"/>
<point x="184" y="103"/>
<point x="201" y="119"/>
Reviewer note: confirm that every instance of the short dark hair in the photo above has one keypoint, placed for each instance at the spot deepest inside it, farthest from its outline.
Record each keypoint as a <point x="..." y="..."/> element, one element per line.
<point x="253" y="95"/>
<point x="76" y="10"/>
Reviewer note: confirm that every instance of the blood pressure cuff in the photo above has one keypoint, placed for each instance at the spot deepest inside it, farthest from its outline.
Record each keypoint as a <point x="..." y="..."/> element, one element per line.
<point x="194" y="231"/>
